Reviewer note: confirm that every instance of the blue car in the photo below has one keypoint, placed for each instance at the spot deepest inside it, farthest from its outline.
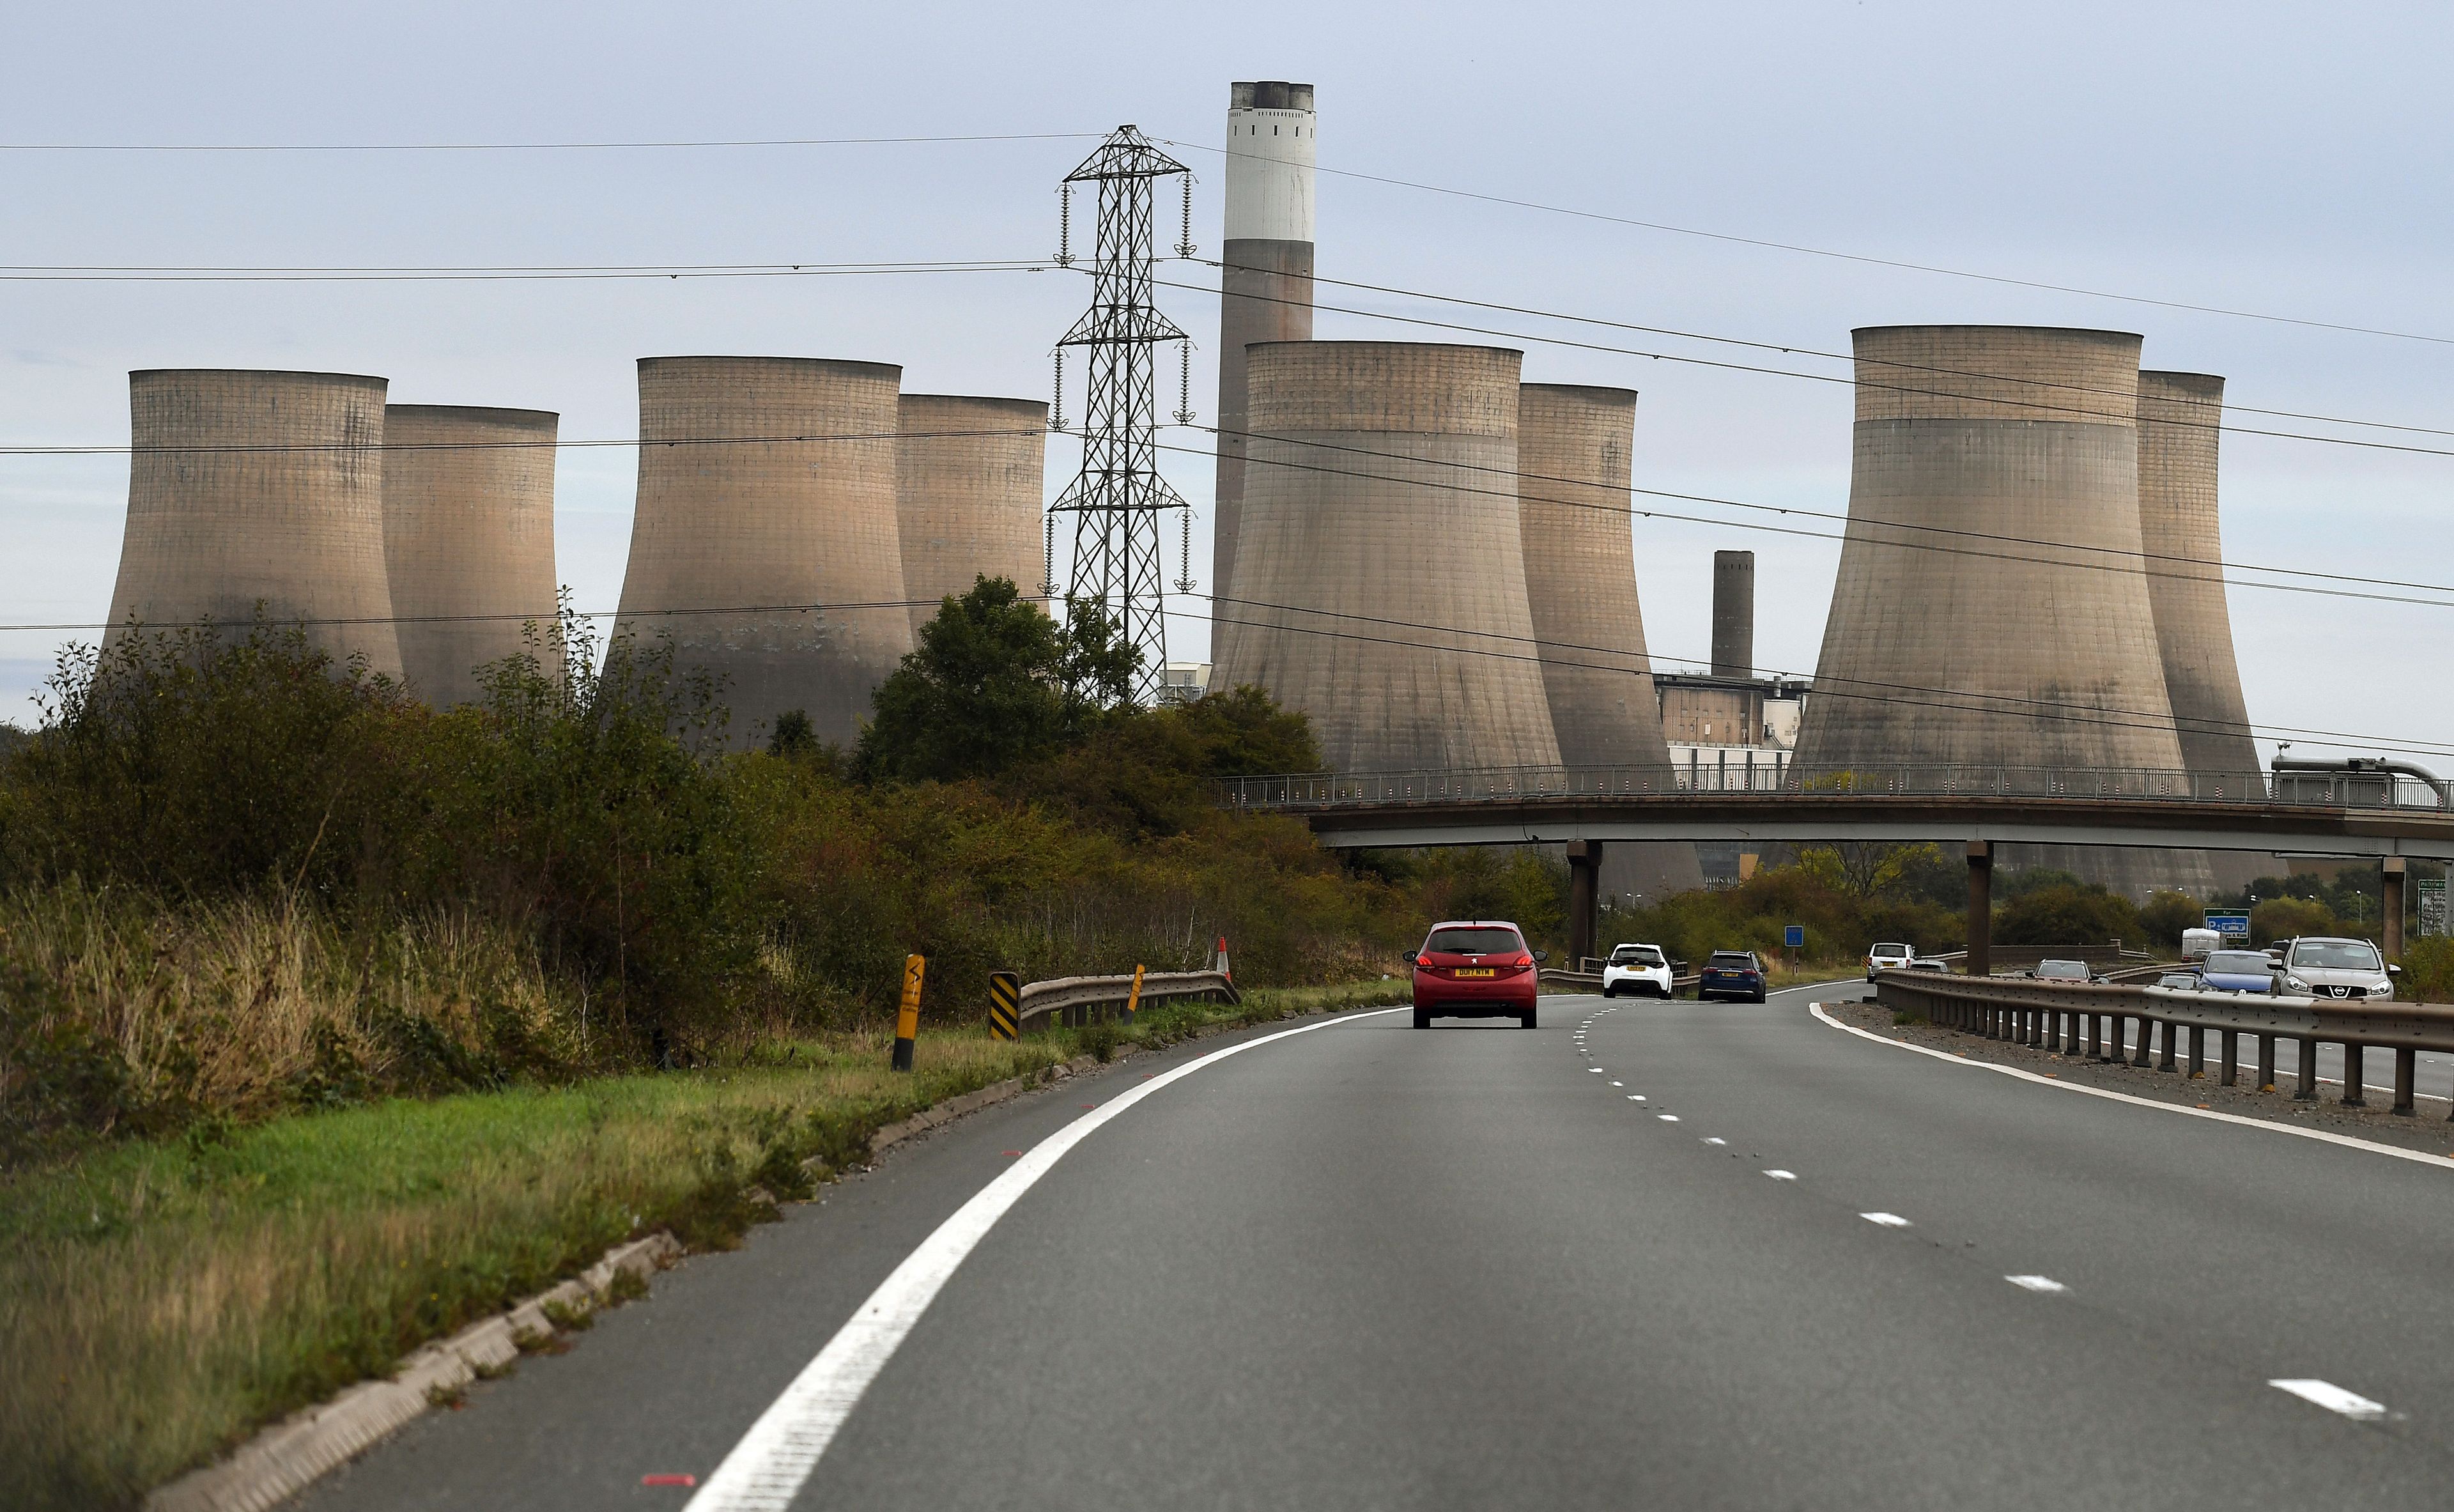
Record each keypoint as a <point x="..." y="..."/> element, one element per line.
<point x="1731" y="974"/>
<point x="2244" y="971"/>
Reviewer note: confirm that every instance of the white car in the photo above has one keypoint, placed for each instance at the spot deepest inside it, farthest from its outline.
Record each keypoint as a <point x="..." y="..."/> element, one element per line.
<point x="2319" y="967"/>
<point x="1641" y="971"/>
<point x="1888" y="955"/>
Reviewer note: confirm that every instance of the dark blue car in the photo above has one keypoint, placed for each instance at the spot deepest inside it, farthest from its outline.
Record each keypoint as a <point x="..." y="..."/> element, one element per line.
<point x="1733" y="974"/>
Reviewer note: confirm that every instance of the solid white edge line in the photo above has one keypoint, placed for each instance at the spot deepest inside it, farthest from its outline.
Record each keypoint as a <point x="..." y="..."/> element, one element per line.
<point x="2419" y="1157"/>
<point x="767" y="1468"/>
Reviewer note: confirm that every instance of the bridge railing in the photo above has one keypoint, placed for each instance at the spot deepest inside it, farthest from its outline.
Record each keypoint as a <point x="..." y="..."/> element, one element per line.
<point x="2126" y="1023"/>
<point x="1496" y="784"/>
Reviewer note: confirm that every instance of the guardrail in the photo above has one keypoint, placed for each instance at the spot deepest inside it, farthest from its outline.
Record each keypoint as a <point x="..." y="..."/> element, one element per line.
<point x="1073" y="997"/>
<point x="2099" y="1020"/>
<point x="2348" y="790"/>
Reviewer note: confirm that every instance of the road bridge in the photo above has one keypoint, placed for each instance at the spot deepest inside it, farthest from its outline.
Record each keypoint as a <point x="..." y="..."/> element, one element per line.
<point x="1588" y="807"/>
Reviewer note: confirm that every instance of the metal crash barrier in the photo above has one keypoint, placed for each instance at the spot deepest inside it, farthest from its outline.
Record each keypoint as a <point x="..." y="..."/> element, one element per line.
<point x="1073" y="998"/>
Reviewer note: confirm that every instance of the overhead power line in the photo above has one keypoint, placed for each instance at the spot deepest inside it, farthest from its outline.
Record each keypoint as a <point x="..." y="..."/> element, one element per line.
<point x="536" y="147"/>
<point x="581" y="272"/>
<point x="1862" y="258"/>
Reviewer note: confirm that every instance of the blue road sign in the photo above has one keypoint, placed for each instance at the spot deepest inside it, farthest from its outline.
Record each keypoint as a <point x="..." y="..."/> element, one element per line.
<point x="2231" y="926"/>
<point x="1794" y="936"/>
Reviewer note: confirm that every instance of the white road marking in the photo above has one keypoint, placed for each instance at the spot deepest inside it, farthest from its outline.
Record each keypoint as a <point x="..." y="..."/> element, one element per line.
<point x="1783" y="1176"/>
<point x="1669" y="1118"/>
<point x="1715" y="1138"/>
<point x="1595" y="1070"/>
<point x="1636" y="1097"/>
<point x="1887" y="1220"/>
<point x="2037" y="1284"/>
<point x="767" y="1468"/>
<point x="2333" y="1399"/>
<point x="2417" y="1157"/>
<point x="1618" y="1083"/>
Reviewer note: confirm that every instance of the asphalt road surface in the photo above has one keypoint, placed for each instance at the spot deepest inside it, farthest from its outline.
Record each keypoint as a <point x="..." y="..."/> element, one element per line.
<point x="1693" y="1256"/>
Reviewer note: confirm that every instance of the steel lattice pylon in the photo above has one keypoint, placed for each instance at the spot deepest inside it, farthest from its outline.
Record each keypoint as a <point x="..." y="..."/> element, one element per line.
<point x="1117" y="500"/>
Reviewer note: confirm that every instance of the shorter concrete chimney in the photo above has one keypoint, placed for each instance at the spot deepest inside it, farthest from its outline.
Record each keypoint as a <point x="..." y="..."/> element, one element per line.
<point x="1733" y="614"/>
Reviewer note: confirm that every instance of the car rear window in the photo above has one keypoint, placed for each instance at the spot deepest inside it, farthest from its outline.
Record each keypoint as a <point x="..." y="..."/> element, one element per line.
<point x="1641" y="955"/>
<point x="2238" y="963"/>
<point x="1731" y="958"/>
<point x="2062" y="968"/>
<point x="1474" y="942"/>
<point x="1890" y="950"/>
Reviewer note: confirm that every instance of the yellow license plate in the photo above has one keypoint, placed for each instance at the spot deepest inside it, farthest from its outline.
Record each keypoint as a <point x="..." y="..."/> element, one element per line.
<point x="1476" y="971"/>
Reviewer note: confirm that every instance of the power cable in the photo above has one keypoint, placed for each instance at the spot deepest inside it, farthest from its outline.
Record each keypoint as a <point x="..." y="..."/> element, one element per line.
<point x="535" y="147"/>
<point x="1845" y="256"/>
<point x="547" y="274"/>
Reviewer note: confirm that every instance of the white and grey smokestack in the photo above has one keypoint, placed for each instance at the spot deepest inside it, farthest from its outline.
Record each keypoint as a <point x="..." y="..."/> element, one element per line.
<point x="1267" y="283"/>
<point x="1733" y="614"/>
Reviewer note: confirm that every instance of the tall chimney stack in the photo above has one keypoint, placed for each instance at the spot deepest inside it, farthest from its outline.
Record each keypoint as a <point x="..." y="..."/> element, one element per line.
<point x="1733" y="614"/>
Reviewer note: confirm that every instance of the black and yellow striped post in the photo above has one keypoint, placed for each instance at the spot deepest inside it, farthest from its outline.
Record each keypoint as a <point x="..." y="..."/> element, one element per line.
<point x="1005" y="1004"/>
<point x="907" y="1020"/>
<point x="1134" y="998"/>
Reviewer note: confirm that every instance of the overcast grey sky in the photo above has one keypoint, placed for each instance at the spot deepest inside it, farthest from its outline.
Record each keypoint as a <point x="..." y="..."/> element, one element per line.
<point x="2292" y="160"/>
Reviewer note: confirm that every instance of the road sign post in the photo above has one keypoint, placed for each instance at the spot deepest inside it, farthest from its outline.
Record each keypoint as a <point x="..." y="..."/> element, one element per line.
<point x="1793" y="939"/>
<point x="2231" y="926"/>
<point x="907" y="1019"/>
<point x="1005" y="1004"/>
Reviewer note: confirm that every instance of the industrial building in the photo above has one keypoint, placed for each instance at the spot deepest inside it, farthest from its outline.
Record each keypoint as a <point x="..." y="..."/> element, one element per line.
<point x="252" y="490"/>
<point x="467" y="530"/>
<point x="1265" y="284"/>
<point x="766" y="544"/>
<point x="1574" y="453"/>
<point x="2013" y="660"/>
<point x="969" y="482"/>
<point x="1379" y="498"/>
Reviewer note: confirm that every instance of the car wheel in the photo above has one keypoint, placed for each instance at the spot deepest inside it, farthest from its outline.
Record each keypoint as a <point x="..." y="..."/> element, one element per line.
<point x="1525" y="1019"/>
<point x="1609" y="991"/>
<point x="1422" y="1017"/>
<point x="1760" y="997"/>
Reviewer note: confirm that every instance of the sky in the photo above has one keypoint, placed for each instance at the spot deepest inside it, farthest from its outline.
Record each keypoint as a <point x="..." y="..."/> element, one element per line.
<point x="2287" y="162"/>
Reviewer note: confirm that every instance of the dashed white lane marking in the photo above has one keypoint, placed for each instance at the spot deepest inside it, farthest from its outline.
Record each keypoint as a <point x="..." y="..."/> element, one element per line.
<point x="1715" y="1138"/>
<point x="1783" y="1176"/>
<point x="2037" y="1284"/>
<point x="1595" y="1070"/>
<point x="2419" y="1157"/>
<point x="1887" y="1220"/>
<point x="1636" y="1097"/>
<point x="2333" y="1397"/>
<point x="766" y="1470"/>
<point x="1669" y="1118"/>
<point x="1618" y="1083"/>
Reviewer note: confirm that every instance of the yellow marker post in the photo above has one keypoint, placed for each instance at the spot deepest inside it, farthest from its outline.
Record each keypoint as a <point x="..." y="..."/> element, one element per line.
<point x="1005" y="1004"/>
<point x="1134" y="998"/>
<point x="906" y="1021"/>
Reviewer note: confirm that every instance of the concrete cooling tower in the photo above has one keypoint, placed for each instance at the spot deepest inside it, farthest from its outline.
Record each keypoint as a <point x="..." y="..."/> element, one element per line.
<point x="1944" y="649"/>
<point x="468" y="504"/>
<point x="2178" y="417"/>
<point x="1574" y="447"/>
<point x="249" y="489"/>
<point x="1382" y="497"/>
<point x="767" y="492"/>
<point x="968" y="491"/>
<point x="1266" y="283"/>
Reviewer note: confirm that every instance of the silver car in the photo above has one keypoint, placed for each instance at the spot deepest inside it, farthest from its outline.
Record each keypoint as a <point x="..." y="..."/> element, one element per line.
<point x="2316" y="966"/>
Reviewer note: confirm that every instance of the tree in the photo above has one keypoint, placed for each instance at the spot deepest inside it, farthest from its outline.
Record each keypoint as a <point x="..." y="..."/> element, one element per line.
<point x="993" y="684"/>
<point x="2167" y="914"/>
<point x="1862" y="869"/>
<point x="2063" y="915"/>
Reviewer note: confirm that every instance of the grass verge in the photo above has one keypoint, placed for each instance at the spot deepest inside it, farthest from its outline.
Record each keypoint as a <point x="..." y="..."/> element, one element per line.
<point x="159" y="1299"/>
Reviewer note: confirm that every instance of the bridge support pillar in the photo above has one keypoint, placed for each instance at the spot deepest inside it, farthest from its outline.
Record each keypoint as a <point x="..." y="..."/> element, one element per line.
<point x="1980" y="908"/>
<point x="2390" y="911"/>
<point x="1584" y="893"/>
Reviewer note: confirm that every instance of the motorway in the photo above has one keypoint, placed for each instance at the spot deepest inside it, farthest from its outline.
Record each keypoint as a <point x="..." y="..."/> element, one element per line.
<point x="1691" y="1256"/>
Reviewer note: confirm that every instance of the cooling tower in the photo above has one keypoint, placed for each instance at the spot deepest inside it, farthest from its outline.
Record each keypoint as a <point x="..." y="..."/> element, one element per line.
<point x="1573" y="453"/>
<point x="1381" y="498"/>
<point x="1946" y="647"/>
<point x="250" y="489"/>
<point x="2179" y="416"/>
<point x="468" y="500"/>
<point x="968" y="494"/>
<point x="767" y="493"/>
<point x="1265" y="283"/>
<point x="1733" y="614"/>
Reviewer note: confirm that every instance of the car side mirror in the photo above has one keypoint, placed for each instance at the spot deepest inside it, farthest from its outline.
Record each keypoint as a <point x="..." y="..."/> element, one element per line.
<point x="1541" y="955"/>
<point x="1413" y="957"/>
<point x="2394" y="971"/>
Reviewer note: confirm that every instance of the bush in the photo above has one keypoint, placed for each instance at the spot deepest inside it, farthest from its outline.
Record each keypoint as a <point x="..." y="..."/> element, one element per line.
<point x="2167" y="914"/>
<point x="2067" y="913"/>
<point x="2283" y="917"/>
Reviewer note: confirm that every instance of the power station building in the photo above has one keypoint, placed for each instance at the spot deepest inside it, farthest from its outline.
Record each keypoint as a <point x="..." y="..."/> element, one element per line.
<point x="970" y="476"/>
<point x="1381" y="567"/>
<point x="1265" y="289"/>
<point x="765" y="542"/>
<point x="468" y="529"/>
<point x="1991" y="610"/>
<point x="258" y="490"/>
<point x="1574" y="446"/>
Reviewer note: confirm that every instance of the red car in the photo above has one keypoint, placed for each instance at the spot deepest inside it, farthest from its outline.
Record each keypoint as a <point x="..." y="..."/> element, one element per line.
<point x="1474" y="968"/>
